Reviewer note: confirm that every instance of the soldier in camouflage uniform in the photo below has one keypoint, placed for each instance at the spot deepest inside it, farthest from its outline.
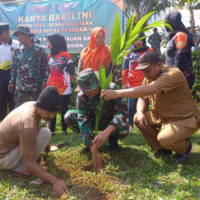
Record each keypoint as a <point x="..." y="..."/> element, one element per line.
<point x="113" y="122"/>
<point x="29" y="70"/>
<point x="155" y="40"/>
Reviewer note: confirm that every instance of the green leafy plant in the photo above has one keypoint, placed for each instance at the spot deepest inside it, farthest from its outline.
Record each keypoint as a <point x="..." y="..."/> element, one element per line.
<point x="196" y="66"/>
<point x="120" y="47"/>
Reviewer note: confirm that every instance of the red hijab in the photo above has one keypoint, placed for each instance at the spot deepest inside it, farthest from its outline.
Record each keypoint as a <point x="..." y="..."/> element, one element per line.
<point x="94" y="56"/>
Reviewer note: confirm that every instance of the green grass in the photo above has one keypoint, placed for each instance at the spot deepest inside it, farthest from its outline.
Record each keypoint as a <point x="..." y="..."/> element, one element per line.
<point x="129" y="174"/>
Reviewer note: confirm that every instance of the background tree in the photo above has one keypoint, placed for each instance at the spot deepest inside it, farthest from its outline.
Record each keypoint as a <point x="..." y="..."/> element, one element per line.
<point x="141" y="7"/>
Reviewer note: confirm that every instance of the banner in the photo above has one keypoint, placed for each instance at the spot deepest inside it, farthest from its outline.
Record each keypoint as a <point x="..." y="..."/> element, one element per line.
<point x="73" y="19"/>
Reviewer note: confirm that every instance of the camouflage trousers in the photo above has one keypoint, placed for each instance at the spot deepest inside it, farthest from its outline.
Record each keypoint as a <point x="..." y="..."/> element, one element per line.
<point x="71" y="119"/>
<point x="21" y="96"/>
<point x="157" y="49"/>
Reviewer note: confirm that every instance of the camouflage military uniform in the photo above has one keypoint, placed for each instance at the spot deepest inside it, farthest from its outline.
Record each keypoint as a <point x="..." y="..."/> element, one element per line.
<point x="29" y="71"/>
<point x="114" y="113"/>
<point x="155" y="40"/>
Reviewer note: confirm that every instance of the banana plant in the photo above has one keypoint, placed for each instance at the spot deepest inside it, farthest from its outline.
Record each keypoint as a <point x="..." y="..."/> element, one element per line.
<point x="120" y="46"/>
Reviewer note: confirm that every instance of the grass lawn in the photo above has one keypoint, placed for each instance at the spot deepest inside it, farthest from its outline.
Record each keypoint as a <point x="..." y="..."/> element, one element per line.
<point x="129" y="174"/>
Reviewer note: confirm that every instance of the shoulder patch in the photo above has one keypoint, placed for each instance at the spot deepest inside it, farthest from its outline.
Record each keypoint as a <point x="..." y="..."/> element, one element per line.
<point x="180" y="44"/>
<point x="181" y="40"/>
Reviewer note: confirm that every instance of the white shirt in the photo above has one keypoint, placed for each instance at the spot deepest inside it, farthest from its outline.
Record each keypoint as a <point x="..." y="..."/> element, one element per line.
<point x="6" y="53"/>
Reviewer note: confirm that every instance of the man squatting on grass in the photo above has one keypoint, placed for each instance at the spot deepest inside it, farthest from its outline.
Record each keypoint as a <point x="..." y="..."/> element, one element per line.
<point x="22" y="140"/>
<point x="173" y="109"/>
<point x="114" y="115"/>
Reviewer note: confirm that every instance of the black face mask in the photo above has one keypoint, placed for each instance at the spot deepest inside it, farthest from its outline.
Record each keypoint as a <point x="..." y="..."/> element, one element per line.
<point x="58" y="43"/>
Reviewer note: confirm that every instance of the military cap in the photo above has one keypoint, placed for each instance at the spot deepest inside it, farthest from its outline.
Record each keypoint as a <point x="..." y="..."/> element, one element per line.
<point x="87" y="80"/>
<point x="24" y="30"/>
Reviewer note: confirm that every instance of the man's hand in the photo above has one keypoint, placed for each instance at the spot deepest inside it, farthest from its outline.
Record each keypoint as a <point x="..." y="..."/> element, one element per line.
<point x="61" y="187"/>
<point x="10" y="87"/>
<point x="97" y="160"/>
<point x="109" y="94"/>
<point x="141" y="120"/>
<point x="100" y="139"/>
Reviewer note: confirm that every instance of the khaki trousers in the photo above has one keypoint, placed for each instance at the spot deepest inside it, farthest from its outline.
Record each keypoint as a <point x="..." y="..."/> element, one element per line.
<point x="14" y="159"/>
<point x="171" y="135"/>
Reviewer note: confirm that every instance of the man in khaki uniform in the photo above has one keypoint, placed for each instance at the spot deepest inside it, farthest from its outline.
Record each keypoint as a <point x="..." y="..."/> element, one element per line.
<point x="173" y="108"/>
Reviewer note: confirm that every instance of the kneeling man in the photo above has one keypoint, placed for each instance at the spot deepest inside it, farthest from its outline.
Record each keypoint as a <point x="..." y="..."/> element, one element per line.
<point x="113" y="118"/>
<point x="174" y="115"/>
<point x="22" y="140"/>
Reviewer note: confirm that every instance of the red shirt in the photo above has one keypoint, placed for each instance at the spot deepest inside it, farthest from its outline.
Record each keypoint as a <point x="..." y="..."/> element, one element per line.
<point x="61" y="72"/>
<point x="130" y="76"/>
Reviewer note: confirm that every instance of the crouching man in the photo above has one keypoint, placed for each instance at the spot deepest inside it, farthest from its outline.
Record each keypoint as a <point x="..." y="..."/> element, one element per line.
<point x="22" y="140"/>
<point x="113" y="122"/>
<point x="174" y="115"/>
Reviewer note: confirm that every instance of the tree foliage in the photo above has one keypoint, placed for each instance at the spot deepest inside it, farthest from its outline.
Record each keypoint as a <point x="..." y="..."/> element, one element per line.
<point x="141" y="7"/>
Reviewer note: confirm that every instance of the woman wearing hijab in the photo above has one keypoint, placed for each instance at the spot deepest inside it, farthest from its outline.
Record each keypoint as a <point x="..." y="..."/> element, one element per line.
<point x="178" y="50"/>
<point x="61" y="74"/>
<point x="97" y="53"/>
<point x="132" y="77"/>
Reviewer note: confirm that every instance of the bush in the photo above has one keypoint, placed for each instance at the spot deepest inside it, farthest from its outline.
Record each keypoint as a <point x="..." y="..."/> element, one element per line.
<point x="196" y="66"/>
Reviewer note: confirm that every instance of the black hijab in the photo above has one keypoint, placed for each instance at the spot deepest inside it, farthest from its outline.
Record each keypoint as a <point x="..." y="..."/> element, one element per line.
<point x="58" y="43"/>
<point x="174" y="19"/>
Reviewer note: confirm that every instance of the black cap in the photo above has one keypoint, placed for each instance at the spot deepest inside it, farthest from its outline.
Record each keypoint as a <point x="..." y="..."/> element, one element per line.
<point x="49" y="99"/>
<point x="3" y="27"/>
<point x="147" y="59"/>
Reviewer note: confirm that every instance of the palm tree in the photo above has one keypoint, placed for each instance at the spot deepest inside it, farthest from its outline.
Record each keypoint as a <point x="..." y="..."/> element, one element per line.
<point x="142" y="7"/>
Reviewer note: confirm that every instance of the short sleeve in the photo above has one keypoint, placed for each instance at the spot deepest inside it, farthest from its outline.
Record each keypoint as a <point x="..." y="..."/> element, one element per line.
<point x="28" y="137"/>
<point x="169" y="80"/>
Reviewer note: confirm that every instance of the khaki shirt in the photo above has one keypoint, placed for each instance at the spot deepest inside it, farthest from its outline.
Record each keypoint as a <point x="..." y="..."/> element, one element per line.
<point x="20" y="127"/>
<point x="175" y="102"/>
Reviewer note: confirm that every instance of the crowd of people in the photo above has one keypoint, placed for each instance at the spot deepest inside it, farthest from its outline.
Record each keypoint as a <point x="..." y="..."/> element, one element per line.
<point x="35" y="86"/>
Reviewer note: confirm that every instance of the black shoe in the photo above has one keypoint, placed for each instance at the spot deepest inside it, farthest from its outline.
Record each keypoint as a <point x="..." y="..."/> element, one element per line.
<point x="85" y="149"/>
<point x="162" y="152"/>
<point x="114" y="147"/>
<point x="113" y="144"/>
<point x="61" y="145"/>
<point x="186" y="155"/>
